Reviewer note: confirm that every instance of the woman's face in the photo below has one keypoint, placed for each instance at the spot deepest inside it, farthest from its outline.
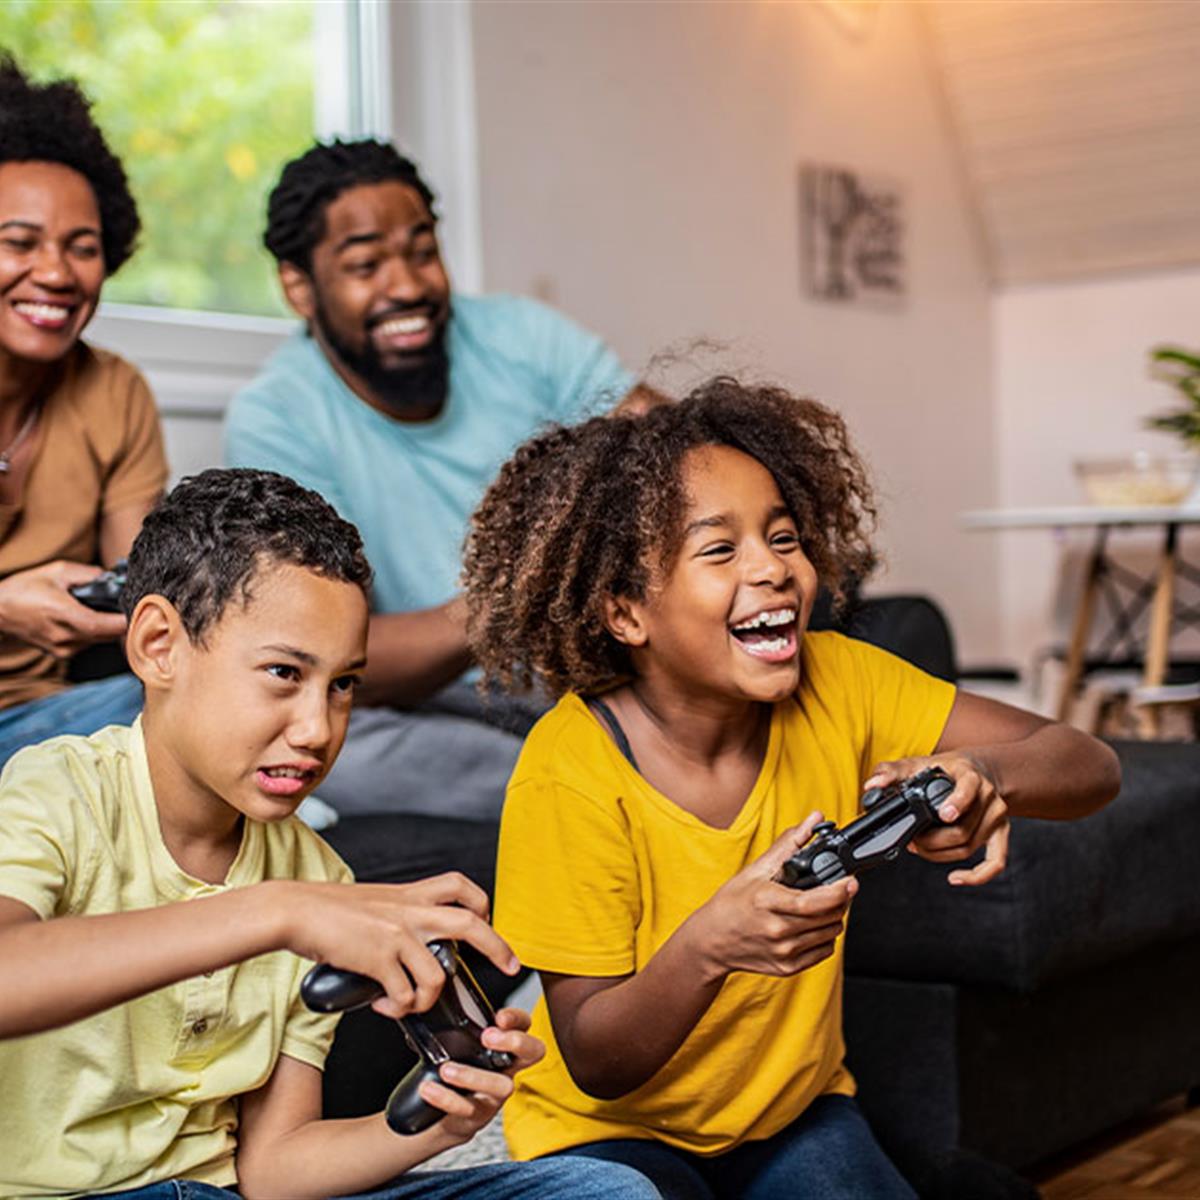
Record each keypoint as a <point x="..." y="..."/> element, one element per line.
<point x="51" y="259"/>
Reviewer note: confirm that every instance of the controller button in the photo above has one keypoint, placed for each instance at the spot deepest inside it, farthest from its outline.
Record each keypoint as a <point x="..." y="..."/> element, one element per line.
<point x="824" y="829"/>
<point x="871" y="797"/>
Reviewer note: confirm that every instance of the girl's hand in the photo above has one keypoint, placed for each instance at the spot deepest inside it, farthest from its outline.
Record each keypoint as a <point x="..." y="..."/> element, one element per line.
<point x="974" y="814"/>
<point x="486" y="1090"/>
<point x="754" y="923"/>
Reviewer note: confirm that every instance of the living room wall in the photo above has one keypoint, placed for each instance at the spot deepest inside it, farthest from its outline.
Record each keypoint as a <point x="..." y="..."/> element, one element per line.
<point x="638" y="168"/>
<point x="1073" y="381"/>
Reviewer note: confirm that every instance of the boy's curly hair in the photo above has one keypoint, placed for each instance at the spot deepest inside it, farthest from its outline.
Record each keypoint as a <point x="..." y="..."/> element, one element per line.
<point x="596" y="510"/>
<point x="205" y="541"/>
<point x="52" y="122"/>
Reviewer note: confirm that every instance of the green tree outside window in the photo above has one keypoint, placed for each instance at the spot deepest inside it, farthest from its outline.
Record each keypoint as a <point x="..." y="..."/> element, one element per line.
<point x="204" y="100"/>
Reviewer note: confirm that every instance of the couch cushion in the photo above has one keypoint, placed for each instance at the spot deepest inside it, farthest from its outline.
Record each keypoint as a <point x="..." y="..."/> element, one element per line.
<point x="1074" y="894"/>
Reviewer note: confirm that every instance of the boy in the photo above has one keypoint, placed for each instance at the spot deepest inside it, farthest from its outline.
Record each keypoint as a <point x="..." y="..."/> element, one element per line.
<point x="143" y="1040"/>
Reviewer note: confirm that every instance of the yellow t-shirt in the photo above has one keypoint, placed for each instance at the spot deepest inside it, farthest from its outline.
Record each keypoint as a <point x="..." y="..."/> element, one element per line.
<point x="145" y="1091"/>
<point x="597" y="869"/>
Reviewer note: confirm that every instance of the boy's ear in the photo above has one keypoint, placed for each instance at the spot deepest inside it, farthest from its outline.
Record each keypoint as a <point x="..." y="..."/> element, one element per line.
<point x="622" y="619"/>
<point x="151" y="642"/>
<point x="298" y="290"/>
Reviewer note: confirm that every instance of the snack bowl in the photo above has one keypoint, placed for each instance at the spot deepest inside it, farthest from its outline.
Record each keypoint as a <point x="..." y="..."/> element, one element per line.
<point x="1139" y="480"/>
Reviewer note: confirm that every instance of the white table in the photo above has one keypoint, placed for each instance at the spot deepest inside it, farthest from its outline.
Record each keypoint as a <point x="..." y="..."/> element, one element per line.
<point x="1159" y="594"/>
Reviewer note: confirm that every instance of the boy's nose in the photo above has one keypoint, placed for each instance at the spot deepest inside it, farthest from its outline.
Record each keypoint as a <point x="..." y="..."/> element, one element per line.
<point x="311" y="729"/>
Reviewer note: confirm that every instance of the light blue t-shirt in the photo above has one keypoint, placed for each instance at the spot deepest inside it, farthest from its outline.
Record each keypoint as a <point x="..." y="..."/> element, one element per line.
<point x="410" y="487"/>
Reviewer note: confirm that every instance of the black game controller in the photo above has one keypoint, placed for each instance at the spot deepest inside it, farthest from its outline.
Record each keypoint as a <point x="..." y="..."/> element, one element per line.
<point x="449" y="1032"/>
<point x="892" y="817"/>
<point x="104" y="592"/>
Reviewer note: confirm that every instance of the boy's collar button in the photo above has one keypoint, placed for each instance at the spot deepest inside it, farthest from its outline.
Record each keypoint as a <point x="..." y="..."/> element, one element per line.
<point x="200" y="1027"/>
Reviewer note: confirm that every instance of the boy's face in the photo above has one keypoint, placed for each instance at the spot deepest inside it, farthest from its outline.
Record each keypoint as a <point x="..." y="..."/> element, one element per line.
<point x="728" y="617"/>
<point x="258" y="710"/>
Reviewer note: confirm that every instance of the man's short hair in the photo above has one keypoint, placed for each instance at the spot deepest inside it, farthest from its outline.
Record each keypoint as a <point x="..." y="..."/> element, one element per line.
<point x="206" y="540"/>
<point x="52" y="122"/>
<point x="310" y="183"/>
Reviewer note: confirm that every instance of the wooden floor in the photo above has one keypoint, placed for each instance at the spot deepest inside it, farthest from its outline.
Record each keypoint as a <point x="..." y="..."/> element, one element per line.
<point x="1156" y="1158"/>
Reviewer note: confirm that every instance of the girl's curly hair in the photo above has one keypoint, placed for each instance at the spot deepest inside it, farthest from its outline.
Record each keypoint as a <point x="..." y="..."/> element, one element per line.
<point x="594" y="510"/>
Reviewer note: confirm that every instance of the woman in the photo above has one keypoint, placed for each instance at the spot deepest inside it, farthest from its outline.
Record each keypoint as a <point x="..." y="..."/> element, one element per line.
<point x="81" y="454"/>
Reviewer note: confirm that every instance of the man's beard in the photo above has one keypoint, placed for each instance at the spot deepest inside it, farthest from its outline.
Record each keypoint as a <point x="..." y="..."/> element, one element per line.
<point x="415" y="388"/>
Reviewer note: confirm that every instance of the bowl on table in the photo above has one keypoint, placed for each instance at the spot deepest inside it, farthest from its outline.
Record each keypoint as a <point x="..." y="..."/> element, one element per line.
<point x="1139" y="480"/>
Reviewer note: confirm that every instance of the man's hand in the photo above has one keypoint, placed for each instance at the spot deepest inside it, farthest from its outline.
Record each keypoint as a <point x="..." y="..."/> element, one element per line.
<point x="974" y="814"/>
<point x="754" y="923"/>
<point x="486" y="1090"/>
<point x="383" y="929"/>
<point x="36" y="607"/>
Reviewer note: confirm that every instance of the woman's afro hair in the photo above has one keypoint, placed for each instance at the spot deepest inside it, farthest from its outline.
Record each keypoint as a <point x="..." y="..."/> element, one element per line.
<point x="52" y="122"/>
<point x="582" y="513"/>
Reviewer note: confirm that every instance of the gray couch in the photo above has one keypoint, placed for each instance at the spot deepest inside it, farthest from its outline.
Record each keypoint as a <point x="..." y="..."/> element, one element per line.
<point x="1006" y="1023"/>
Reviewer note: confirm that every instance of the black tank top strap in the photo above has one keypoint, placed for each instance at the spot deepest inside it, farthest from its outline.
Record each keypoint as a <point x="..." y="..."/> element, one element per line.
<point x="606" y="714"/>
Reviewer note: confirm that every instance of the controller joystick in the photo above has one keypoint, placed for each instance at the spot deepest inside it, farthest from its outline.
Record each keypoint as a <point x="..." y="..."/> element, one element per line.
<point x="892" y="817"/>
<point x="450" y="1031"/>
<point x="104" y="592"/>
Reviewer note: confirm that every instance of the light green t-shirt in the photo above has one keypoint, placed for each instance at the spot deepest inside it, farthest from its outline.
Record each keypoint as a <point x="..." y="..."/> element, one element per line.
<point x="144" y="1091"/>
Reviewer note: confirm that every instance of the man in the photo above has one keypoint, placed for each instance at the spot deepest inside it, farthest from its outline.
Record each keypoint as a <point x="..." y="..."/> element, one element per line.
<point x="399" y="402"/>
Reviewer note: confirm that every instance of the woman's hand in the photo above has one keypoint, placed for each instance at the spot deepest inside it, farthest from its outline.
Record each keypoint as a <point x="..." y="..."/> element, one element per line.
<point x="486" y="1091"/>
<point x="974" y="814"/>
<point x="755" y="923"/>
<point x="36" y="607"/>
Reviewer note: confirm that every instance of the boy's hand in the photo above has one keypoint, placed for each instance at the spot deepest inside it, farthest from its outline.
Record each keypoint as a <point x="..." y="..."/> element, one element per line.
<point x="36" y="607"/>
<point x="382" y="930"/>
<point x="486" y="1090"/>
<point x="974" y="815"/>
<point x="754" y="923"/>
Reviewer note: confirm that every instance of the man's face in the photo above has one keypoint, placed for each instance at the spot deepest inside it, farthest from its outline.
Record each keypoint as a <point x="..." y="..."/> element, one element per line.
<point x="378" y="298"/>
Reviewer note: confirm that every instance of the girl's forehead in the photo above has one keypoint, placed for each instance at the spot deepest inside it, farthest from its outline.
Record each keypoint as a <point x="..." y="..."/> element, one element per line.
<point x="718" y="475"/>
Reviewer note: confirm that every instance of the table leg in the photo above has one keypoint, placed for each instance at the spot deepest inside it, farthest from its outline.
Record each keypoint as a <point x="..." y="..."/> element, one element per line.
<point x="1158" y="639"/>
<point x="1077" y="651"/>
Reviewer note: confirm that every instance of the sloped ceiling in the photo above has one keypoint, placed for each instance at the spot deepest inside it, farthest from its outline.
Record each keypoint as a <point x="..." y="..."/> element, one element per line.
<point x="1079" y="123"/>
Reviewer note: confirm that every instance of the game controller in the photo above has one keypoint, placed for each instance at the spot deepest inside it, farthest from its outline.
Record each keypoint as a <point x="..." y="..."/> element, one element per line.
<point x="104" y="592"/>
<point x="892" y="817"/>
<point x="450" y="1031"/>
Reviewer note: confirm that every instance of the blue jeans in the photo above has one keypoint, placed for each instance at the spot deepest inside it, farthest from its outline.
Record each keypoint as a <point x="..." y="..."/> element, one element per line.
<point x="81" y="708"/>
<point x="829" y="1153"/>
<point x="549" y="1179"/>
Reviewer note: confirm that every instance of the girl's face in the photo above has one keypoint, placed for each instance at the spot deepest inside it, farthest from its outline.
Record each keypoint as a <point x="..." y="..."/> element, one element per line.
<point x="51" y="259"/>
<point x="728" y="618"/>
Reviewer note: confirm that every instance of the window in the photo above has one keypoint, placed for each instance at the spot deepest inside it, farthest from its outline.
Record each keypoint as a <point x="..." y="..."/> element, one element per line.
<point x="204" y="101"/>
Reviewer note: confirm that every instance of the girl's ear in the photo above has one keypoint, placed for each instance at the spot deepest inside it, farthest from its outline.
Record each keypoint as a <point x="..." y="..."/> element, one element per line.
<point x="151" y="642"/>
<point x="623" y="619"/>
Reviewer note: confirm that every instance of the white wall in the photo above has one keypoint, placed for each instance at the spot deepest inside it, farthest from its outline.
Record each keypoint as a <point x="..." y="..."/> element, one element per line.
<point x="1072" y="381"/>
<point x="638" y="168"/>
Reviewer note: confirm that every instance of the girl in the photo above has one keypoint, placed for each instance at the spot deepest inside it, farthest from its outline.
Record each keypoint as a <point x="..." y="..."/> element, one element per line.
<point x="657" y="573"/>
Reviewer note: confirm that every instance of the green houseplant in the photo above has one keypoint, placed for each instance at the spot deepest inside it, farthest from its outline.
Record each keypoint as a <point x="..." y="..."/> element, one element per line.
<point x="1181" y="370"/>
